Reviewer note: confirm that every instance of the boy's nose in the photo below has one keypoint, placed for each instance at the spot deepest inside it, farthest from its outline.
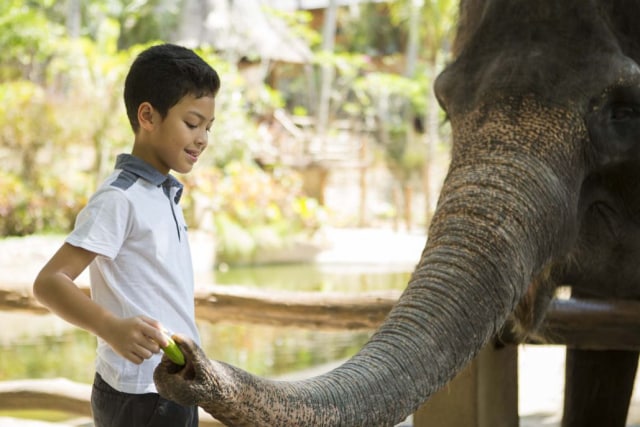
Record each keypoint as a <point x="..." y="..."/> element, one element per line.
<point x="202" y="139"/>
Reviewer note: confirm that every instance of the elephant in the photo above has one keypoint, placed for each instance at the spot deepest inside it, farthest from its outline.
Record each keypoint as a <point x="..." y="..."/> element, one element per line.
<point x="543" y="190"/>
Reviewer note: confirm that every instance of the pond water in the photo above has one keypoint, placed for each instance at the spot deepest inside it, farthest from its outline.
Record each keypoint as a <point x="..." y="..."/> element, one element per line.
<point x="43" y="346"/>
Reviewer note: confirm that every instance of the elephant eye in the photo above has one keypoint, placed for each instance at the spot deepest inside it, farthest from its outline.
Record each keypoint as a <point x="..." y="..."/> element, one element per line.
<point x="624" y="112"/>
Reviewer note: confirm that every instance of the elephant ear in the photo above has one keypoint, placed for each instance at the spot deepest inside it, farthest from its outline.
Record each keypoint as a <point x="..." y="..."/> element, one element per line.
<point x="613" y="121"/>
<point x="190" y="384"/>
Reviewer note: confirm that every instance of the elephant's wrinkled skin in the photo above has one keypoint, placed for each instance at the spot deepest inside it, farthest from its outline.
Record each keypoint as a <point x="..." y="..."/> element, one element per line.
<point x="543" y="189"/>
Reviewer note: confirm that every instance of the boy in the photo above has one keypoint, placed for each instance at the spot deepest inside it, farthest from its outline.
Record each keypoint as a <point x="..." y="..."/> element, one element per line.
<point x="133" y="237"/>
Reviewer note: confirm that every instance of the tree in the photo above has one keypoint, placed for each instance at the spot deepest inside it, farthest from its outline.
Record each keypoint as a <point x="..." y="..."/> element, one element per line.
<point x="27" y="41"/>
<point x="430" y="25"/>
<point x="403" y="43"/>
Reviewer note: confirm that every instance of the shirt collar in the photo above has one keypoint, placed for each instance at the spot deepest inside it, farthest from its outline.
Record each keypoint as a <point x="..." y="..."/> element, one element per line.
<point x="147" y="172"/>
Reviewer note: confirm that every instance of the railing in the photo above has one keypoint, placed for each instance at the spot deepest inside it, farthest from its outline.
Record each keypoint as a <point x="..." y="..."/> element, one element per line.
<point x="485" y="393"/>
<point x="215" y="303"/>
<point x="593" y="324"/>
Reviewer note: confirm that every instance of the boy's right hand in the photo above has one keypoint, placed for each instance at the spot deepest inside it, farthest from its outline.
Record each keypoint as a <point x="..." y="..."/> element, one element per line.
<point x="135" y="338"/>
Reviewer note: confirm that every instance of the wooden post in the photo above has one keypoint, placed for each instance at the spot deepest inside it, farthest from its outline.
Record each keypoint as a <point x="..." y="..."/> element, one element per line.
<point x="484" y="394"/>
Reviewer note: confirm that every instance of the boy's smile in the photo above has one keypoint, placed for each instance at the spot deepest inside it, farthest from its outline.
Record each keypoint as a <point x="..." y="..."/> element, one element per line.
<point x="177" y="141"/>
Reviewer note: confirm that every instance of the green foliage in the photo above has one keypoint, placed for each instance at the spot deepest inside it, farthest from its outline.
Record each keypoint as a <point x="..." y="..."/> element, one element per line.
<point x="390" y="95"/>
<point x="393" y="101"/>
<point x="144" y="21"/>
<point x="61" y="111"/>
<point x="375" y="91"/>
<point x="233" y="130"/>
<point x="92" y="121"/>
<point x="254" y="210"/>
<point x="49" y="204"/>
<point x="27" y="40"/>
<point x="27" y="124"/>
<point x="387" y="101"/>
<point x="371" y="31"/>
<point x="137" y="21"/>
<point x="63" y="119"/>
<point x="58" y="118"/>
<point x="299" y="23"/>
<point x="13" y="206"/>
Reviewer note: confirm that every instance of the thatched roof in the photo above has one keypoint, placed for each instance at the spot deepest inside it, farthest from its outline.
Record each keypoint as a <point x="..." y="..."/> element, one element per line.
<point x="315" y="4"/>
<point x="245" y="28"/>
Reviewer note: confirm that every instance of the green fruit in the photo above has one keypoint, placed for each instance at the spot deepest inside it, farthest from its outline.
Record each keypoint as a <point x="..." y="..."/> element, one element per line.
<point x="173" y="352"/>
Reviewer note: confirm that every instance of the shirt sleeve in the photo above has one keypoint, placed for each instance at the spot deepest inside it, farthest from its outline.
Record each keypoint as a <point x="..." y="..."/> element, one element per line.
<point x="103" y="224"/>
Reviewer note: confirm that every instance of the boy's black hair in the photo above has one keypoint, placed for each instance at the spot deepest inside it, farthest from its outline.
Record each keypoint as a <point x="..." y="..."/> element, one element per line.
<point x="162" y="75"/>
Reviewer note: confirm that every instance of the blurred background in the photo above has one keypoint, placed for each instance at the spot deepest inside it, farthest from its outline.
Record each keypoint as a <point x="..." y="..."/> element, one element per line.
<point x="323" y="169"/>
<point x="326" y="115"/>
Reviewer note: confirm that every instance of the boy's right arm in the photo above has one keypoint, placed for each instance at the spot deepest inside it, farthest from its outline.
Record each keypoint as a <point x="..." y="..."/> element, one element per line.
<point x="135" y="338"/>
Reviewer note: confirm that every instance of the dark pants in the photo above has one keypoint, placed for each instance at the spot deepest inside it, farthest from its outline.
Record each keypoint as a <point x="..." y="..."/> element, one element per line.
<point x="112" y="408"/>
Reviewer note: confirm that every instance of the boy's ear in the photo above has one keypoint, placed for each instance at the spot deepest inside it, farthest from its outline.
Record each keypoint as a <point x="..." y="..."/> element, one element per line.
<point x="146" y="116"/>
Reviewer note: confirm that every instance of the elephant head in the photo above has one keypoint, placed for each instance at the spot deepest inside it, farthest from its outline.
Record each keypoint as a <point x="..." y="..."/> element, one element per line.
<point x="543" y="97"/>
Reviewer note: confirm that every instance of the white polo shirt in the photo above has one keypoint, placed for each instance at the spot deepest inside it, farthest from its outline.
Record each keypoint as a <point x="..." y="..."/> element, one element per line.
<point x="135" y="225"/>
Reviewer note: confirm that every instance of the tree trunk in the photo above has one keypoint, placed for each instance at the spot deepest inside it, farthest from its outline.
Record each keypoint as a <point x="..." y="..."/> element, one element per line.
<point x="431" y="139"/>
<point x="327" y="70"/>
<point x="73" y="18"/>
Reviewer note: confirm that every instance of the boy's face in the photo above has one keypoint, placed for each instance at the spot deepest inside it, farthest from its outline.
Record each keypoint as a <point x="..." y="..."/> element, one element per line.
<point x="176" y="142"/>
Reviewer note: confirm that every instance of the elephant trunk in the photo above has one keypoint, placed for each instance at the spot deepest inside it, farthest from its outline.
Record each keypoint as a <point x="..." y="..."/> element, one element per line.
<point x="502" y="215"/>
